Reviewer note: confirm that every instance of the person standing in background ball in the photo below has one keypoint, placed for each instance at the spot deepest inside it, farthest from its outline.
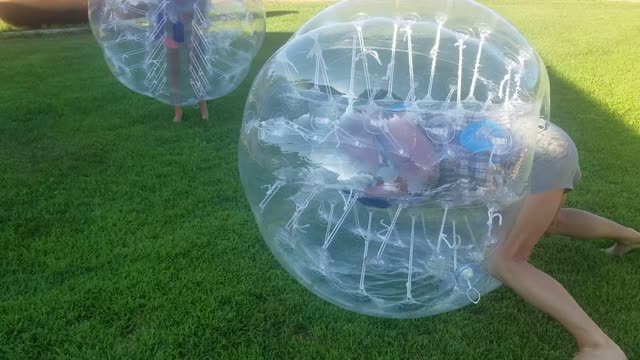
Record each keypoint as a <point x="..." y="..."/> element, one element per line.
<point x="178" y="35"/>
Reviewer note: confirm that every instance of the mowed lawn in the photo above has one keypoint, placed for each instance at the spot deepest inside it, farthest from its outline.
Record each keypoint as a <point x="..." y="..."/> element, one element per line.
<point x="124" y="235"/>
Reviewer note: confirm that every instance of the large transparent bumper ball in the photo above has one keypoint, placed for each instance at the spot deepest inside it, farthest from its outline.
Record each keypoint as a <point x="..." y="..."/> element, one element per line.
<point x="179" y="52"/>
<point x="386" y="151"/>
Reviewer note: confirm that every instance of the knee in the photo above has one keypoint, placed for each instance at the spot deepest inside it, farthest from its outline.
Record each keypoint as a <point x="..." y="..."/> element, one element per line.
<point x="496" y="265"/>
<point x="557" y="224"/>
<point x="500" y="265"/>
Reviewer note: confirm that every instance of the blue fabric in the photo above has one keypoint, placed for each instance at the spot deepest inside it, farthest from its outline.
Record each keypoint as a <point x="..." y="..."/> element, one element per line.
<point x="476" y="136"/>
<point x="159" y="31"/>
<point x="375" y="202"/>
<point x="178" y="32"/>
<point x="398" y="107"/>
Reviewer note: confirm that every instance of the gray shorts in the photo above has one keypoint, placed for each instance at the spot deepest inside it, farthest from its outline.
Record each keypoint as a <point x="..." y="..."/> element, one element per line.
<point x="555" y="165"/>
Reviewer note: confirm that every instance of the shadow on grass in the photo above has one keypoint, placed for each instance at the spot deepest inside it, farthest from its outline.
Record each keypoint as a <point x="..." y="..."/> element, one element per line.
<point x="275" y="13"/>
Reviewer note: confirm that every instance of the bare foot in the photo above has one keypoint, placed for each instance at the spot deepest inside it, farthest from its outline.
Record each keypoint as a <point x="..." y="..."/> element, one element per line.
<point x="624" y="247"/>
<point x="611" y="352"/>
<point x="619" y="250"/>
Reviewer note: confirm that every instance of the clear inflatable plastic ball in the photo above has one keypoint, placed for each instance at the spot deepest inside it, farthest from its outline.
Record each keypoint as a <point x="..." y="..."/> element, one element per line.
<point x="180" y="52"/>
<point x="386" y="151"/>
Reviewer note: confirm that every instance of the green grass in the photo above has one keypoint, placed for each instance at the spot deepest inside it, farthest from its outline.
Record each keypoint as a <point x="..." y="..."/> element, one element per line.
<point x="123" y="235"/>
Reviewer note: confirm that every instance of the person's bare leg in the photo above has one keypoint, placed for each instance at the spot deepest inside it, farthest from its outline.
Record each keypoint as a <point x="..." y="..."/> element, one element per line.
<point x="178" y="116"/>
<point x="204" y="110"/>
<point x="581" y="224"/>
<point x="173" y="58"/>
<point x="510" y="265"/>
